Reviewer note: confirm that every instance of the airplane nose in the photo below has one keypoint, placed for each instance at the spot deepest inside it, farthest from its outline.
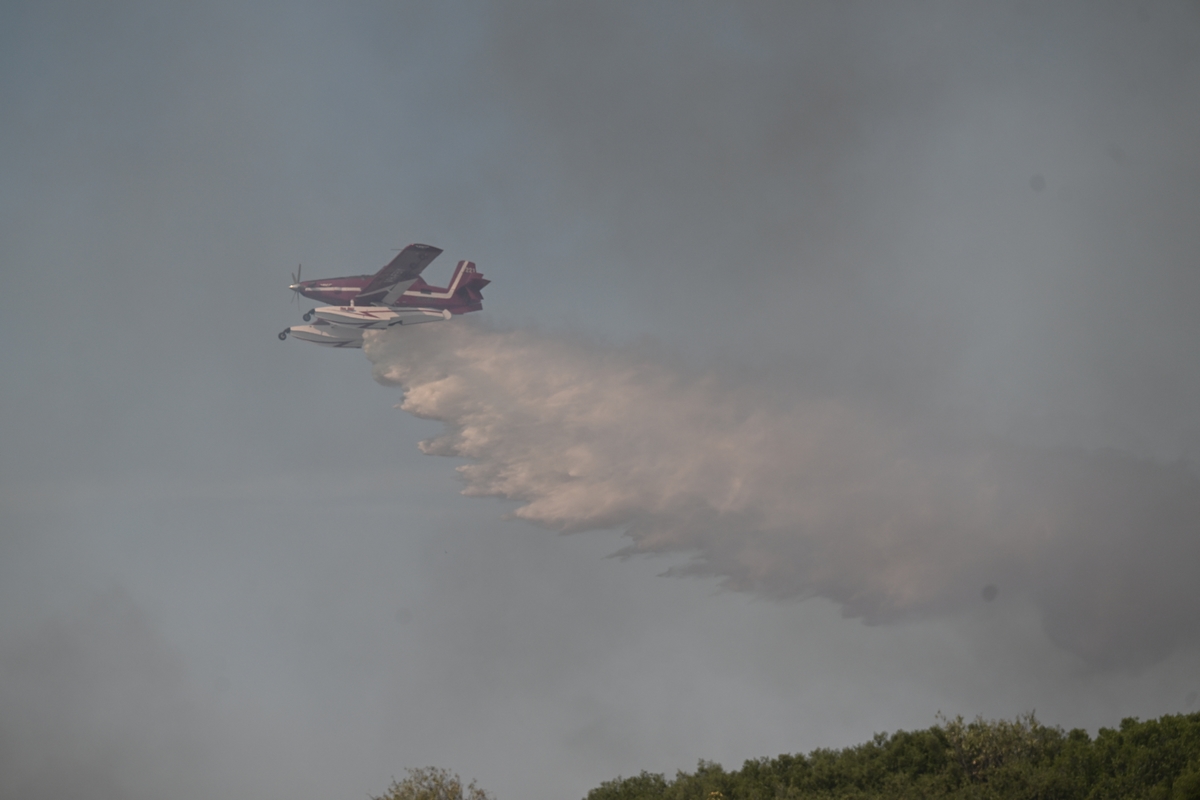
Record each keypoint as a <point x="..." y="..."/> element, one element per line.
<point x="295" y="287"/>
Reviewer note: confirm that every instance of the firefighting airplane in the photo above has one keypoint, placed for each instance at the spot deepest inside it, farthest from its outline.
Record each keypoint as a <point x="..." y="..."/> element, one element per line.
<point x="395" y="295"/>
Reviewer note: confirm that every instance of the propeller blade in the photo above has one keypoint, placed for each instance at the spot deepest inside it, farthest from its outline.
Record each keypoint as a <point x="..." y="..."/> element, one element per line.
<point x="296" y="280"/>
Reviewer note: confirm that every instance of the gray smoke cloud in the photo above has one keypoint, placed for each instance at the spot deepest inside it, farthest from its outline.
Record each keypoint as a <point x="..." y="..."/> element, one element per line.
<point x="799" y="496"/>
<point x="95" y="705"/>
<point x="973" y="212"/>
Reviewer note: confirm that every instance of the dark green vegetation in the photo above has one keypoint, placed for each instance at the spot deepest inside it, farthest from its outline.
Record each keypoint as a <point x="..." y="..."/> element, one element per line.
<point x="981" y="759"/>
<point x="432" y="783"/>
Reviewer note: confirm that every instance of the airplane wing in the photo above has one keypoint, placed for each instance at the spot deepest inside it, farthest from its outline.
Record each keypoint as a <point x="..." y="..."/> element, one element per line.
<point x="391" y="281"/>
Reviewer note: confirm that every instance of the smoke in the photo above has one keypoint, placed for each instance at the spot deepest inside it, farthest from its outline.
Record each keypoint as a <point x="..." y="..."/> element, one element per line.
<point x="787" y="495"/>
<point x="96" y="705"/>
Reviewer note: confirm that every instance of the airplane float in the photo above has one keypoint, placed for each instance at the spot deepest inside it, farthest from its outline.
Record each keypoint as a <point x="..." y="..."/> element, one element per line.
<point x="394" y="296"/>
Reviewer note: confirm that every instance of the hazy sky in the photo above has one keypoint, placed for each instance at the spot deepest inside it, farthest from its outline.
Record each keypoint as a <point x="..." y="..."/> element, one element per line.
<point x="849" y="316"/>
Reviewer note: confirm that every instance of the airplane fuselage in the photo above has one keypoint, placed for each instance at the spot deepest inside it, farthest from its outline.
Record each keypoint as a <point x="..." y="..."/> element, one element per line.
<point x="394" y="297"/>
<point x="460" y="297"/>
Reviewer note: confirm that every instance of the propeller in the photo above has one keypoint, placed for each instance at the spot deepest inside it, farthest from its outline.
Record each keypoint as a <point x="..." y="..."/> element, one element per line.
<point x="296" y="283"/>
<point x="295" y="287"/>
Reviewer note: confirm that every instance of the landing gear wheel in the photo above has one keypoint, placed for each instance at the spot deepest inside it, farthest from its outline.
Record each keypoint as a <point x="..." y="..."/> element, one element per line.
<point x="283" y="334"/>
<point x="307" y="316"/>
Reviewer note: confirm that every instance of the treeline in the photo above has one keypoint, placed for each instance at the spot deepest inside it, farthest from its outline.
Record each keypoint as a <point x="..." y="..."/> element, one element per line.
<point x="956" y="759"/>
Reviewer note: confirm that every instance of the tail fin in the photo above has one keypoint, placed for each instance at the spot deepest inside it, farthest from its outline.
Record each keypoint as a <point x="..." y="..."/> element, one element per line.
<point x="467" y="283"/>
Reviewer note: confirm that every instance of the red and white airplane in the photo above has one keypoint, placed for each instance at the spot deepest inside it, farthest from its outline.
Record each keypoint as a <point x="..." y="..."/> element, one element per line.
<point x="395" y="295"/>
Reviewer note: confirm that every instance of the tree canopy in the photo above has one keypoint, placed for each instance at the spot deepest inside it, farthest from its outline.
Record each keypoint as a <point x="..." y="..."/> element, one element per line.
<point x="432" y="783"/>
<point x="983" y="759"/>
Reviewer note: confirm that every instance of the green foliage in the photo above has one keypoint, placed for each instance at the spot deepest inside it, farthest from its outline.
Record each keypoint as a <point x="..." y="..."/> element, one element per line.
<point x="647" y="786"/>
<point x="433" y="783"/>
<point x="1020" y="759"/>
